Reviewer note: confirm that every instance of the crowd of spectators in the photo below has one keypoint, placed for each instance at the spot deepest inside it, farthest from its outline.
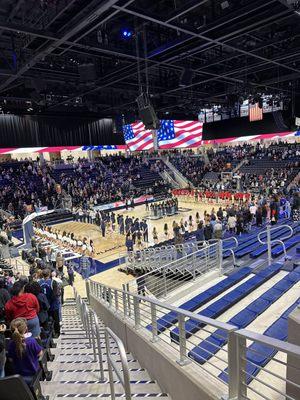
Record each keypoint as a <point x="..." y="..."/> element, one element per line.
<point x="26" y="187"/>
<point x="271" y="181"/>
<point x="108" y="179"/>
<point x="30" y="311"/>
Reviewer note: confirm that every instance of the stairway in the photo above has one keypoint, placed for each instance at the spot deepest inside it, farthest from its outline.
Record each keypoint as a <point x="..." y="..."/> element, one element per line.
<point x="76" y="373"/>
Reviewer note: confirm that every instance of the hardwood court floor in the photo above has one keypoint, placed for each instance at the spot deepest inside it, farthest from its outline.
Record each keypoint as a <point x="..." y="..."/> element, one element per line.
<point x="113" y="245"/>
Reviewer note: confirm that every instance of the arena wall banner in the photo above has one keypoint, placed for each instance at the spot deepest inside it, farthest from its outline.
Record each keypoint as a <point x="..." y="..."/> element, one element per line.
<point x="121" y="204"/>
<point x="175" y="134"/>
<point x="229" y="140"/>
<point x="27" y="150"/>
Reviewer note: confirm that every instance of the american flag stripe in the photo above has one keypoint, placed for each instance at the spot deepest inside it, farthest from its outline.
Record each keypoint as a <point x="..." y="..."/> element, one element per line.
<point x="137" y="137"/>
<point x="180" y="134"/>
<point x="182" y="141"/>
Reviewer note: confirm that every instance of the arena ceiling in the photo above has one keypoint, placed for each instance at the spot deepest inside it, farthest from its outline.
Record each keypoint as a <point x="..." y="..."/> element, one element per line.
<point x="223" y="49"/>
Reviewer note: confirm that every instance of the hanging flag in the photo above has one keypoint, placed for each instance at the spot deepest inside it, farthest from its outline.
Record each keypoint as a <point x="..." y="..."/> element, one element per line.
<point x="175" y="134"/>
<point x="137" y="137"/>
<point x="255" y="112"/>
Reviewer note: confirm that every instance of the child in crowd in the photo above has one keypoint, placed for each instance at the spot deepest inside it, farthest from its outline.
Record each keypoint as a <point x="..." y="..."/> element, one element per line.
<point x="23" y="350"/>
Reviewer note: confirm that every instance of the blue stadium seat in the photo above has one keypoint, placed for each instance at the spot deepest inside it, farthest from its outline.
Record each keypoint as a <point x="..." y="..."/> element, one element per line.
<point x="220" y="306"/>
<point x="170" y="319"/>
<point x="260" y="354"/>
<point x="246" y="316"/>
<point x="278" y="250"/>
<point x="243" y="318"/>
<point x="258" y="306"/>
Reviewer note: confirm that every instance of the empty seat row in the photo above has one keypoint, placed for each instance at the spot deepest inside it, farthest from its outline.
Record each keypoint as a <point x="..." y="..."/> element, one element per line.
<point x="253" y="245"/>
<point x="247" y="239"/>
<point x="278" y="250"/>
<point x="230" y="299"/>
<point x="263" y="248"/>
<point x="191" y="305"/>
<point x="258" y="355"/>
<point x="210" y="346"/>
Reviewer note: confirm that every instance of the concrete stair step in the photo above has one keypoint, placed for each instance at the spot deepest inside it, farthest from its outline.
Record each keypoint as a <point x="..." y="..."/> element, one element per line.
<point x="49" y="388"/>
<point x="135" y="374"/>
<point x="81" y="365"/>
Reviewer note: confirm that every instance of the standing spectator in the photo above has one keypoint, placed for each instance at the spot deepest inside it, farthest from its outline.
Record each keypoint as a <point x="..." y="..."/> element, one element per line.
<point x="208" y="231"/>
<point x="23" y="350"/>
<point x="70" y="271"/>
<point x="24" y="305"/>
<point x="166" y="231"/>
<point x="200" y="232"/>
<point x="145" y="231"/>
<point x="85" y="265"/>
<point x="36" y="290"/>
<point x="155" y="235"/>
<point x="49" y="288"/>
<point x="129" y="242"/>
<point x="60" y="263"/>
<point x="218" y="230"/>
<point x="103" y="227"/>
<point x="259" y="216"/>
<point x="232" y="223"/>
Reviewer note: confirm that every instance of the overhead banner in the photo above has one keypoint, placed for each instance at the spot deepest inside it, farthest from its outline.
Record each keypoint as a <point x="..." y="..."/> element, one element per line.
<point x="175" y="134"/>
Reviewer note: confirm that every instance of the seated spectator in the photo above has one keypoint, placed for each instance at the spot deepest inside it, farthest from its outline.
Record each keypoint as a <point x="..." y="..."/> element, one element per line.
<point x="23" y="350"/>
<point x="24" y="305"/>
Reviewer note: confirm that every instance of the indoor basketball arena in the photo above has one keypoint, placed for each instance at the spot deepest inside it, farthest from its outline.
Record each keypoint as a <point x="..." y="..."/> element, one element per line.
<point x="149" y="199"/>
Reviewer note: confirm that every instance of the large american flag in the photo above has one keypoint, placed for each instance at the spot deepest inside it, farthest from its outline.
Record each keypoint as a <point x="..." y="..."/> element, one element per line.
<point x="137" y="137"/>
<point x="255" y="112"/>
<point x="179" y="134"/>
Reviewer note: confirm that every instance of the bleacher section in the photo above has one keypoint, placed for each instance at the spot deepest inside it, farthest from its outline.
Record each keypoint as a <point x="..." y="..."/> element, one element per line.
<point x="193" y="304"/>
<point x="229" y="300"/>
<point x="259" y="355"/>
<point x="249" y="245"/>
<point x="211" y="345"/>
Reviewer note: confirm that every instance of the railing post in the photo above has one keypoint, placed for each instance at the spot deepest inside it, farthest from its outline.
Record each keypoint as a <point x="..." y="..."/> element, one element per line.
<point x="124" y="299"/>
<point x="88" y="289"/>
<point x="92" y="322"/>
<point x="155" y="337"/>
<point x="220" y="250"/>
<point x="116" y="300"/>
<point x="233" y="370"/>
<point x="182" y="341"/>
<point x="269" y="245"/>
<point x="137" y="312"/>
<point x="241" y="345"/>
<point x="165" y="282"/>
<point x="128" y="299"/>
<point x="109" y="297"/>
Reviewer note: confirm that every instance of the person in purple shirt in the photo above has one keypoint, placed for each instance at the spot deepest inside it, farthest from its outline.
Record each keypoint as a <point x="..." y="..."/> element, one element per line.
<point x="23" y="350"/>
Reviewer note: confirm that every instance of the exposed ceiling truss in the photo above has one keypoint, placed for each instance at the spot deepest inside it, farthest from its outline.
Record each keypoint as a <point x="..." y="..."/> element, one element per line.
<point x="228" y="47"/>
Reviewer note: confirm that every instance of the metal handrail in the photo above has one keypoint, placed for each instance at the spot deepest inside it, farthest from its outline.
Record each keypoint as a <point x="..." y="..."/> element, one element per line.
<point x="271" y="242"/>
<point x="135" y="308"/>
<point x="93" y="332"/>
<point x="112" y="365"/>
<point x="231" y="250"/>
<point x="242" y="387"/>
<point x="193" y="261"/>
